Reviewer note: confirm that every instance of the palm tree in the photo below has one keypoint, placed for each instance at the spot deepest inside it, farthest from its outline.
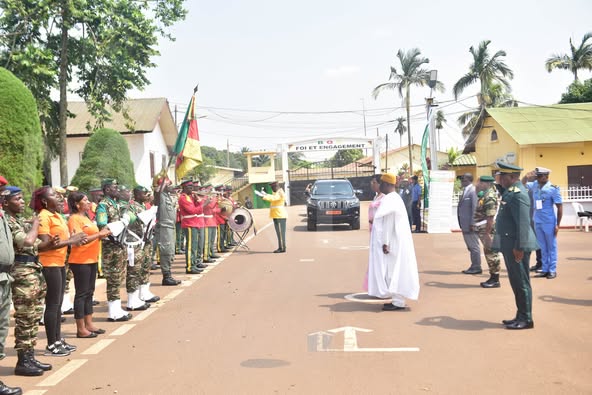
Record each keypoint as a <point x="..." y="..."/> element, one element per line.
<point x="440" y="120"/>
<point x="412" y="73"/>
<point x="401" y="129"/>
<point x="486" y="69"/>
<point x="581" y="58"/>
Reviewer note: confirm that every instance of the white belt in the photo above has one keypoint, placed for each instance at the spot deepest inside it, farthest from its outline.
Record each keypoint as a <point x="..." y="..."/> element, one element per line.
<point x="481" y="223"/>
<point x="189" y="216"/>
<point x="208" y="216"/>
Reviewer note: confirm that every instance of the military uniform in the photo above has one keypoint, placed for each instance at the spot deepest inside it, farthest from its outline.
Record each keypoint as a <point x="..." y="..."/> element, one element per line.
<point x="135" y="255"/>
<point x="165" y="235"/>
<point x="514" y="233"/>
<point x="192" y="221"/>
<point x="487" y="208"/>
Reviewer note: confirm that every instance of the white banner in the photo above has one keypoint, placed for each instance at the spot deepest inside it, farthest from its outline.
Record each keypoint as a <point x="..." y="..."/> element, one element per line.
<point x="440" y="194"/>
<point x="329" y="145"/>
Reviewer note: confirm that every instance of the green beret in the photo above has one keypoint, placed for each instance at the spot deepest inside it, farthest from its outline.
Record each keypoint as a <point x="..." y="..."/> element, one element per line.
<point x="140" y="188"/>
<point x="108" y="181"/>
<point x="123" y="188"/>
<point x="487" y="178"/>
<point x="506" y="168"/>
<point x="186" y="182"/>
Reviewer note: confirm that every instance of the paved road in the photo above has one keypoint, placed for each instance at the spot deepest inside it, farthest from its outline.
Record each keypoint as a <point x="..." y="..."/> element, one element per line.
<point x="259" y="323"/>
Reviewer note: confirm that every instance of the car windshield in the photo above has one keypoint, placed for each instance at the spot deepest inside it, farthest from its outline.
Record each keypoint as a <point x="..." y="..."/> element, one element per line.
<point x="329" y="188"/>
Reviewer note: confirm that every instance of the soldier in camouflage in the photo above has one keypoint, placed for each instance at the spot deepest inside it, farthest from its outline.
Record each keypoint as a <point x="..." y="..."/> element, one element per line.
<point x="114" y="255"/>
<point x="165" y="228"/>
<point x="484" y="226"/>
<point x="28" y="287"/>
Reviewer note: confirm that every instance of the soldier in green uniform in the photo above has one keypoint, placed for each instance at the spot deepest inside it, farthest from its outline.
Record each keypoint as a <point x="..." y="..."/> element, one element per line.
<point x="515" y="239"/>
<point x="28" y="287"/>
<point x="484" y="226"/>
<point x="114" y="255"/>
<point x="165" y="228"/>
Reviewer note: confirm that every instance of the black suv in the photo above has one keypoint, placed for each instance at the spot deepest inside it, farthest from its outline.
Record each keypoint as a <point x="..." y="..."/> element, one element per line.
<point x="333" y="202"/>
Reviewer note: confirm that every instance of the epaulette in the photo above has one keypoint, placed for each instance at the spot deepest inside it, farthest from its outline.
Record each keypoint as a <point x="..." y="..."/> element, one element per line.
<point x="555" y="186"/>
<point x="514" y="189"/>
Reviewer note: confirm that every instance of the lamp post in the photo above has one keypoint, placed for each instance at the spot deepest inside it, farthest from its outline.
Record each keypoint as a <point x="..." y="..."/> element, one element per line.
<point x="432" y="120"/>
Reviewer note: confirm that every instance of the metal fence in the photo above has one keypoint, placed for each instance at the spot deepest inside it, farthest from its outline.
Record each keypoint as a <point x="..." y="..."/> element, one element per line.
<point x="325" y="170"/>
<point x="580" y="194"/>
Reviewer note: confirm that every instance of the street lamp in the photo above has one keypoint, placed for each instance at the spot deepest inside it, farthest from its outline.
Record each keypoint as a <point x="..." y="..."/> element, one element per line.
<point x="432" y="120"/>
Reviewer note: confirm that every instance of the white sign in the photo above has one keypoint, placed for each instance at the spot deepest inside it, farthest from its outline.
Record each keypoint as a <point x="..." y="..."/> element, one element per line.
<point x="329" y="145"/>
<point x="441" y="188"/>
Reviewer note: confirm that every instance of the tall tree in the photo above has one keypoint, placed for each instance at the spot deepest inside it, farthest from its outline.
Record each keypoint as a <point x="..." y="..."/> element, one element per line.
<point x="411" y="74"/>
<point x="440" y="121"/>
<point x="345" y="157"/>
<point x="580" y="57"/>
<point x="401" y="129"/>
<point x="104" y="46"/>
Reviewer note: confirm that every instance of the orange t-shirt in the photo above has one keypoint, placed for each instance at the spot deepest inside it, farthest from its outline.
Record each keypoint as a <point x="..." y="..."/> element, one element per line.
<point x="87" y="253"/>
<point x="53" y="224"/>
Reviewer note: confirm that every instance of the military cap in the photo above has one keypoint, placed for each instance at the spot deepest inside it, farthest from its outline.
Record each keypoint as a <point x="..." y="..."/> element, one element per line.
<point x="542" y="171"/>
<point x="389" y="178"/>
<point x="123" y="188"/>
<point x="506" y="168"/>
<point x="108" y="181"/>
<point x="95" y="190"/>
<point x="207" y="185"/>
<point x="202" y="191"/>
<point x="140" y="188"/>
<point x="219" y="187"/>
<point x="186" y="182"/>
<point x="59" y="190"/>
<point x="71" y="188"/>
<point x="487" y="179"/>
<point x="3" y="181"/>
<point x="11" y="191"/>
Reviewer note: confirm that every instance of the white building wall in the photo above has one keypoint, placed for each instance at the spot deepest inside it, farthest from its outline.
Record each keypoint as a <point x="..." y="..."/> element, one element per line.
<point x="153" y="142"/>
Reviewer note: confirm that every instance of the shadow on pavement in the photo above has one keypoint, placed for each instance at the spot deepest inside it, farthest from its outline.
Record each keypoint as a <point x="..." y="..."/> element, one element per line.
<point x="454" y="324"/>
<point x="349" y="307"/>
<point x="452" y="286"/>
<point x="323" y="228"/>
<point x="557" y="299"/>
<point x="440" y="272"/>
<point x="337" y="295"/>
<point x="578" y="258"/>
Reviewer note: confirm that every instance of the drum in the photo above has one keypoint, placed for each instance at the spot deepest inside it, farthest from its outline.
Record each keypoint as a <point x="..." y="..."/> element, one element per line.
<point x="240" y="220"/>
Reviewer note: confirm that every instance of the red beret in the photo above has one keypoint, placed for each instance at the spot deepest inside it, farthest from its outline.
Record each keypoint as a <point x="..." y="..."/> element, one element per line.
<point x="3" y="181"/>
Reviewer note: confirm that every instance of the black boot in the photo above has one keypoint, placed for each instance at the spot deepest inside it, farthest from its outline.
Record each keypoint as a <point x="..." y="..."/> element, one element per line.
<point x="492" y="282"/>
<point x="169" y="280"/>
<point x="43" y="366"/>
<point x="6" y="390"/>
<point x="25" y="367"/>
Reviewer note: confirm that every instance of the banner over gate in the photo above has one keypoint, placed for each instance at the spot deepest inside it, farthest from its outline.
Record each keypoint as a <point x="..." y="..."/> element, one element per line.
<point x="330" y="145"/>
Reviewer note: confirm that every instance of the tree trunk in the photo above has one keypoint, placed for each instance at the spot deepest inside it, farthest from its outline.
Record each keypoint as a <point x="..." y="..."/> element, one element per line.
<point x="63" y="109"/>
<point x="407" y="95"/>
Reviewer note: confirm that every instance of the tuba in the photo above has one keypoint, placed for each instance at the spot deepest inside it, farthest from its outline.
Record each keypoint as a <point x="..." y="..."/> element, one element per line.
<point x="226" y="207"/>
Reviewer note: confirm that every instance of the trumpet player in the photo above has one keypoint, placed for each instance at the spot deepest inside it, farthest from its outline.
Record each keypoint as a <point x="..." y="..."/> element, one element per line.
<point x="209" y="209"/>
<point x="191" y="213"/>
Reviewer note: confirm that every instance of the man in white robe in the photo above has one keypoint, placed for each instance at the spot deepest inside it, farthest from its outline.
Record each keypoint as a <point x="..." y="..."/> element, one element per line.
<point x="392" y="269"/>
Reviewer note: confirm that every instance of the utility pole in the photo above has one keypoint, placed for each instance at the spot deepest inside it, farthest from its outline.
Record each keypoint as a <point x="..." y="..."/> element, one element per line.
<point x="364" y="116"/>
<point x="227" y="153"/>
<point x="176" y="115"/>
<point x="432" y="121"/>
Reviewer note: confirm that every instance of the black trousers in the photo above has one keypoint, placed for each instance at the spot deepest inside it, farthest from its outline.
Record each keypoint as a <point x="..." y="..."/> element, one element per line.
<point x="55" y="277"/>
<point x="84" y="281"/>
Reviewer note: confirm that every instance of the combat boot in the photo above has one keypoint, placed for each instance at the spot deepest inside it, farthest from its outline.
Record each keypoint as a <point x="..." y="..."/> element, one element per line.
<point x="25" y="367"/>
<point x="6" y="390"/>
<point x="492" y="282"/>
<point x="43" y="366"/>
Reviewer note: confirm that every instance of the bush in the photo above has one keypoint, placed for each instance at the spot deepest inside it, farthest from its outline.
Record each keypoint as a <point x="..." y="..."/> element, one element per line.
<point x="21" y="141"/>
<point x="106" y="155"/>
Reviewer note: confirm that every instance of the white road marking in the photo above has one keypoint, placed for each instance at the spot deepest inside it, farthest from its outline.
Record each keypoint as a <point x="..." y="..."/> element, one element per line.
<point x="318" y="341"/>
<point x="62" y="373"/>
<point x="307" y="260"/>
<point x="172" y="295"/>
<point x="354" y="248"/>
<point x="98" y="347"/>
<point x="144" y="314"/>
<point x="367" y="299"/>
<point x="122" y="330"/>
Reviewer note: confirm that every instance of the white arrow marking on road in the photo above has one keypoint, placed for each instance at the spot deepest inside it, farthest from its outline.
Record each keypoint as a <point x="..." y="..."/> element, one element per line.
<point x="350" y="341"/>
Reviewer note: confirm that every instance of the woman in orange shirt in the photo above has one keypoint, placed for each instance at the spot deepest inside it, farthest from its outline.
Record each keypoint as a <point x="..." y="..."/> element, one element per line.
<point x="55" y="239"/>
<point x="83" y="263"/>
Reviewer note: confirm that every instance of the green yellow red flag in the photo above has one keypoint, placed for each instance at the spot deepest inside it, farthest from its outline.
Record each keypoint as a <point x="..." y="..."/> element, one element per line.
<point x="187" y="147"/>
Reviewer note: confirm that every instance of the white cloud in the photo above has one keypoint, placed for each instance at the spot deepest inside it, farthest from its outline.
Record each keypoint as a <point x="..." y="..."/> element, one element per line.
<point x="341" y="71"/>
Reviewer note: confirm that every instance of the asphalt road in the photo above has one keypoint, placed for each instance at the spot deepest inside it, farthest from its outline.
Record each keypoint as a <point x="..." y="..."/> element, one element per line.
<point x="264" y="323"/>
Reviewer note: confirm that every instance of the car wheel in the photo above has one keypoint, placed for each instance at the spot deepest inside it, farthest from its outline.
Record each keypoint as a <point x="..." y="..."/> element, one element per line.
<point x="311" y="225"/>
<point x="355" y="224"/>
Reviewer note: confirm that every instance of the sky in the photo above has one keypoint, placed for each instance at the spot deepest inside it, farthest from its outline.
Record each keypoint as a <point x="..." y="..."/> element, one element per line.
<point x="273" y="71"/>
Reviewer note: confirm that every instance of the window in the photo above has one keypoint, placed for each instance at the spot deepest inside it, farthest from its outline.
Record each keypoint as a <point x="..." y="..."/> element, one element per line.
<point x="493" y="135"/>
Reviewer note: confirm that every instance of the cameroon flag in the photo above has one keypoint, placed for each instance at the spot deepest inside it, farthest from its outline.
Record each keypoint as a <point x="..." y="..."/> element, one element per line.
<point x="187" y="146"/>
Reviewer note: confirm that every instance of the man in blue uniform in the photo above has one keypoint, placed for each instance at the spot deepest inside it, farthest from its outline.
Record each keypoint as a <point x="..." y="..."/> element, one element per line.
<point x="546" y="197"/>
<point x="416" y="203"/>
<point x="515" y="239"/>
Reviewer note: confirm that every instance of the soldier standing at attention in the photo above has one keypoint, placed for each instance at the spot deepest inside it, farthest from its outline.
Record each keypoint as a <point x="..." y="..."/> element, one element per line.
<point x="515" y="239"/>
<point x="6" y="261"/>
<point x="546" y="197"/>
<point x="165" y="228"/>
<point x="484" y="226"/>
<point x="28" y="287"/>
<point x="114" y="255"/>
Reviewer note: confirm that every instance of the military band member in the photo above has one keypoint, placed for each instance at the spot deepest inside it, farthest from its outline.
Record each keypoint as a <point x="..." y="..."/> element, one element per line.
<point x="211" y="227"/>
<point x="484" y="226"/>
<point x="191" y="212"/>
<point x="515" y="239"/>
<point x="114" y="256"/>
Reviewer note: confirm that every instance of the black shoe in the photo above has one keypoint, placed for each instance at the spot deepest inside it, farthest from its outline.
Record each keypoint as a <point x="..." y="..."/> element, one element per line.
<point x="392" y="307"/>
<point x="43" y="366"/>
<point x="89" y="336"/>
<point x="194" y="271"/>
<point x="551" y="275"/>
<point x="209" y="261"/>
<point x="492" y="282"/>
<point x="6" y="390"/>
<point x="541" y="275"/>
<point x="170" y="281"/>
<point x="69" y="311"/>
<point x="472" y="271"/>
<point x="153" y="299"/>
<point x="143" y="307"/>
<point x="123" y="318"/>
<point x="520" y="325"/>
<point x="279" y="251"/>
<point x="201" y="265"/>
<point x="56" y="350"/>
<point x="100" y="331"/>
<point x="534" y="268"/>
<point x="25" y="367"/>
<point x="509" y="322"/>
<point x="215" y="256"/>
<point x="95" y="302"/>
<point x="69" y="347"/>
<point x="63" y="319"/>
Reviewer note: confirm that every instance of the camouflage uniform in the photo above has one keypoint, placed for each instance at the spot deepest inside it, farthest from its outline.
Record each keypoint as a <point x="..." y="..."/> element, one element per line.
<point x="28" y="288"/>
<point x="487" y="207"/>
<point x="113" y="254"/>
<point x="134" y="273"/>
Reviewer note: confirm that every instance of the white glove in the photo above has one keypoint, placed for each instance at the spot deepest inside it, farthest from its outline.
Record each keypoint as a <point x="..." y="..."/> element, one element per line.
<point x="259" y="193"/>
<point x="125" y="219"/>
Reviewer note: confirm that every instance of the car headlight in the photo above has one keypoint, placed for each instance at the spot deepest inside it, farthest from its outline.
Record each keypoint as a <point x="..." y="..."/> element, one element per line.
<point x="351" y="203"/>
